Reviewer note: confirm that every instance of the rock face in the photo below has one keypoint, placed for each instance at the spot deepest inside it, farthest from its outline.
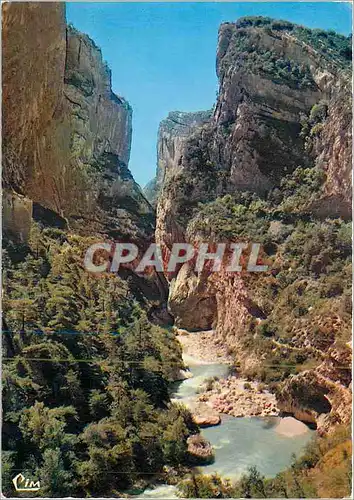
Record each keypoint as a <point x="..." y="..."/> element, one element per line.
<point x="67" y="136"/>
<point x="205" y="416"/>
<point x="258" y="112"/>
<point x="322" y="396"/>
<point x="234" y="150"/>
<point x="33" y="81"/>
<point x="199" y="449"/>
<point x="332" y="153"/>
<point x="255" y="115"/>
<point x="283" y="107"/>
<point x="100" y="140"/>
<point x="66" y="140"/>
<point x="16" y="216"/>
<point x="188" y="293"/>
<point x="266" y="109"/>
<point x="172" y="134"/>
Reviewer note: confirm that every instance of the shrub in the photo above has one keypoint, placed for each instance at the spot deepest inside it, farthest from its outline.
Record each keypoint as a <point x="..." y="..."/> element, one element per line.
<point x="201" y="486"/>
<point x="318" y="112"/>
<point x="261" y="387"/>
<point x="316" y="129"/>
<point x="265" y="329"/>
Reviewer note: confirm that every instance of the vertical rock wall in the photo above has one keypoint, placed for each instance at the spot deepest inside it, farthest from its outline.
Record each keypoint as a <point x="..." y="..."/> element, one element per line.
<point x="66" y="135"/>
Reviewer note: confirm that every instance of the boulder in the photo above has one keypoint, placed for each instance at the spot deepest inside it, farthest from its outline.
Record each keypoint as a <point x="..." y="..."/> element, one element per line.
<point x="199" y="448"/>
<point x="204" y="416"/>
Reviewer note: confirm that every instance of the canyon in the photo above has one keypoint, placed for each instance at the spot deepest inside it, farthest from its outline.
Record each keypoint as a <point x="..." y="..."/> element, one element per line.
<point x="262" y="131"/>
<point x="67" y="141"/>
<point x="270" y="164"/>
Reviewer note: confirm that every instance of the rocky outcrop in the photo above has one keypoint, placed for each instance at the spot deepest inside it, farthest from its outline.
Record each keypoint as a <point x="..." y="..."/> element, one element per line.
<point x="283" y="103"/>
<point x="256" y="114"/>
<point x="251" y="142"/>
<point x="199" y="449"/>
<point x="172" y="134"/>
<point x="66" y="141"/>
<point x="322" y="396"/>
<point x="33" y="65"/>
<point x="205" y="416"/>
<point x="66" y="134"/>
<point x="100" y="139"/>
<point x="331" y="148"/>
<point x="16" y="216"/>
<point x="259" y="111"/>
<point x="190" y="300"/>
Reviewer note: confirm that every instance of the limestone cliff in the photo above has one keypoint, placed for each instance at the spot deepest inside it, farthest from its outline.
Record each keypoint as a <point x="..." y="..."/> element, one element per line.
<point x="269" y="79"/>
<point x="272" y="162"/>
<point x="100" y="138"/>
<point x="33" y="67"/>
<point x="32" y="101"/>
<point x="66" y="135"/>
<point x="331" y="149"/>
<point x="322" y="396"/>
<point x="172" y="135"/>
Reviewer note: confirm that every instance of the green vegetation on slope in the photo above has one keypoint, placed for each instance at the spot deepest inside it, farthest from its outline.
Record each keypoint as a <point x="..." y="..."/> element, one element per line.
<point x="85" y="376"/>
<point x="245" y="47"/>
<point x="268" y="63"/>
<point x="305" y="304"/>
<point x="309" y="286"/>
<point x="333" y="46"/>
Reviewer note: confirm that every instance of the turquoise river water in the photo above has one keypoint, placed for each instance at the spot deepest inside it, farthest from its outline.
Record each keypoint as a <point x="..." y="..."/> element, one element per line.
<point x="238" y="442"/>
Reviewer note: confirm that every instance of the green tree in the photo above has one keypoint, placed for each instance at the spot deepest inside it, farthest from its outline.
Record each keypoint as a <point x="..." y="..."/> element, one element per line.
<point x="251" y="484"/>
<point x="174" y="441"/>
<point x="56" y="481"/>
<point x="203" y="486"/>
<point x="45" y="427"/>
<point x="7" y="472"/>
<point x="109" y="462"/>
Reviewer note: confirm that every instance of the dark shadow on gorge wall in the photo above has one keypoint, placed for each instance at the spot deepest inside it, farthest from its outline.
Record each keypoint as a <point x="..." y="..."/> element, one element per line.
<point x="67" y="137"/>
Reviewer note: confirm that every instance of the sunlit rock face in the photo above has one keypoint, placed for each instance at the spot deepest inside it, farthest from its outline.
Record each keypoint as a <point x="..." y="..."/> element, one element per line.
<point x="33" y="80"/>
<point x="67" y="136"/>
<point x="332" y="152"/>
<point x="322" y="396"/>
<point x="253" y="138"/>
<point x="67" y="139"/>
<point x="172" y="135"/>
<point x="274" y="80"/>
<point x="100" y="140"/>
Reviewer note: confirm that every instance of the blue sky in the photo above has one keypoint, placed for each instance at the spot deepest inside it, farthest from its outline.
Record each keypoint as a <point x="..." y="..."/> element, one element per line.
<point x="162" y="55"/>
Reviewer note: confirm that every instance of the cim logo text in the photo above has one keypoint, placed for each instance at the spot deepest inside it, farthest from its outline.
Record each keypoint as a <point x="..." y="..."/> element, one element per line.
<point x="23" y="484"/>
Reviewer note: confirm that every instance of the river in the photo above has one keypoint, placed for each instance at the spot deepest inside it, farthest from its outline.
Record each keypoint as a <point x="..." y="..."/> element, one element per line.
<point x="238" y="442"/>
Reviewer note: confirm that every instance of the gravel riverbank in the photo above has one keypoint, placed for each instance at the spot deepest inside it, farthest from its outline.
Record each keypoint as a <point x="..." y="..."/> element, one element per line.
<point x="232" y="395"/>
